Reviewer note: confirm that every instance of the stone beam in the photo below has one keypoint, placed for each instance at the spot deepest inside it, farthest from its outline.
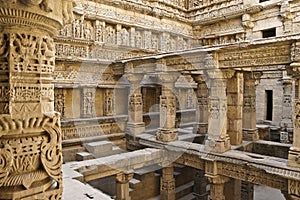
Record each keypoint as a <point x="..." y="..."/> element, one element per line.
<point x="112" y="165"/>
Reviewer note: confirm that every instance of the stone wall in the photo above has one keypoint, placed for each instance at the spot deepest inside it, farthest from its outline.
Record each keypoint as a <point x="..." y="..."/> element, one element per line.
<point x="269" y="81"/>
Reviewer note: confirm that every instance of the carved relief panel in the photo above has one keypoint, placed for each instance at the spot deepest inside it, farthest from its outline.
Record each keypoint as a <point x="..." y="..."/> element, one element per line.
<point x="88" y="102"/>
<point x="59" y="102"/>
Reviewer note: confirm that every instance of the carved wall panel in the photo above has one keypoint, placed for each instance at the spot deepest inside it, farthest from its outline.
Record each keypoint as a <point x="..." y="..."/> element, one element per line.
<point x="256" y="57"/>
<point x="59" y="102"/>
<point x="108" y="105"/>
<point x="88" y="102"/>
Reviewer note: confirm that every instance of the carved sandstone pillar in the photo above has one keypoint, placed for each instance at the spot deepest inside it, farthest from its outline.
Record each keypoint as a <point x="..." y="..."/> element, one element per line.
<point x="235" y="87"/>
<point x="203" y="104"/>
<point x="217" y="181"/>
<point x="167" y="184"/>
<point x="294" y="71"/>
<point x="122" y="186"/>
<point x="217" y="188"/>
<point x="218" y="139"/>
<point x="30" y="134"/>
<point x="167" y="131"/>
<point x="135" y="123"/>
<point x="249" y="108"/>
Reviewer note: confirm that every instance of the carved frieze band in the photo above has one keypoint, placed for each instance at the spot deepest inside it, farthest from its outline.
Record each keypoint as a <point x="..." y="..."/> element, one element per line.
<point x="256" y="57"/>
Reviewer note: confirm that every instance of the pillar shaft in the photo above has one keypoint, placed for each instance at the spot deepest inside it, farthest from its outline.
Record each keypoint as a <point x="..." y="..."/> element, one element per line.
<point x="218" y="139"/>
<point x="235" y="87"/>
<point x="294" y="153"/>
<point x="216" y="188"/>
<point x="203" y="104"/>
<point x="135" y="123"/>
<point x="30" y="135"/>
<point x="167" y="131"/>
<point x="249" y="108"/>
<point x="122" y="186"/>
<point x="167" y="184"/>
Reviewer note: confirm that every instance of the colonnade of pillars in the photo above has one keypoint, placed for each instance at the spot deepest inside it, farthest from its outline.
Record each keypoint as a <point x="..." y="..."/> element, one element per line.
<point x="226" y="102"/>
<point x="226" y="107"/>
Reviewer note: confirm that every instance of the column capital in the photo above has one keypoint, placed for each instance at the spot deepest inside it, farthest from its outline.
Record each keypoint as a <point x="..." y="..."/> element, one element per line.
<point x="48" y="15"/>
<point x="218" y="179"/>
<point x="293" y="70"/>
<point x="124" y="177"/>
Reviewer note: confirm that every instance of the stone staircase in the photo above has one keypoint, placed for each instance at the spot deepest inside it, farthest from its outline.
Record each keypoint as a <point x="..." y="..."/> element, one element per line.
<point x="98" y="149"/>
<point x="146" y="181"/>
<point x="185" y="191"/>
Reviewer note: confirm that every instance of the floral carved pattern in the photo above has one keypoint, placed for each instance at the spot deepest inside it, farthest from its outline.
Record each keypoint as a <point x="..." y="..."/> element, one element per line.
<point x="28" y="159"/>
<point x="6" y="161"/>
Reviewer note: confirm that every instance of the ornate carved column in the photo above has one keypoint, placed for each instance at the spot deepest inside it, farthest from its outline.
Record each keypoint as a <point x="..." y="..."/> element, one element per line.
<point x="202" y="102"/>
<point x="294" y="153"/>
<point x="201" y="182"/>
<point x="217" y="188"/>
<point x="167" y="131"/>
<point x="135" y="123"/>
<point x="218" y="139"/>
<point x="216" y="181"/>
<point x="122" y="186"/>
<point x="249" y="108"/>
<point x="235" y="88"/>
<point x="167" y="184"/>
<point x="30" y="135"/>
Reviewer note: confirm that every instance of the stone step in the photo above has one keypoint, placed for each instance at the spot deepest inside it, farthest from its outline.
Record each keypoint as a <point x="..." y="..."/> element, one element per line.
<point x="139" y="173"/>
<point x="188" y="197"/>
<point x="99" y="147"/>
<point x="81" y="156"/>
<point x="115" y="150"/>
<point x="184" y="190"/>
<point x="133" y="182"/>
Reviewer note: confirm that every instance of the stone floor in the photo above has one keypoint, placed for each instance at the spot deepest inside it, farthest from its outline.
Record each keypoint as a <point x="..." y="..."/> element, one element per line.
<point x="266" y="193"/>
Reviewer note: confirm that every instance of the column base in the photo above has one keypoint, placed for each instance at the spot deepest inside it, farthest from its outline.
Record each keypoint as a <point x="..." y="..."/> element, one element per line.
<point x="167" y="135"/>
<point x="219" y="145"/>
<point x="135" y="128"/>
<point x="250" y="134"/>
<point x="38" y="190"/>
<point x="294" y="157"/>
<point x="200" y="128"/>
<point x="167" y="191"/>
